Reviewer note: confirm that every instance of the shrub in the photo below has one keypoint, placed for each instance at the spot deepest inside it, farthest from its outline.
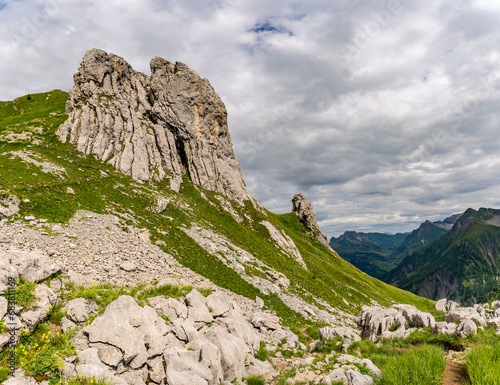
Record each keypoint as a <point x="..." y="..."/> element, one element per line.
<point x="394" y="327"/>
<point x="331" y="345"/>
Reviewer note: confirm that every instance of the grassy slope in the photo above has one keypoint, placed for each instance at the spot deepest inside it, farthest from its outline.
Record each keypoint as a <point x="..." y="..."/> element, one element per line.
<point x="332" y="273"/>
<point x="328" y="277"/>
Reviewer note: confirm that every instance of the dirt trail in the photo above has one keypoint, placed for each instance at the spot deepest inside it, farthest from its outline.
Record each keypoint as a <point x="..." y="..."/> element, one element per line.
<point x="455" y="373"/>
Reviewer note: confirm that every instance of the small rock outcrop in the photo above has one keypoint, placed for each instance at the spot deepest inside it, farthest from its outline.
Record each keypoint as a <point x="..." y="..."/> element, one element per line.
<point x="465" y="313"/>
<point x="32" y="267"/>
<point x="345" y="370"/>
<point x="445" y="305"/>
<point x="396" y="321"/>
<point x="152" y="127"/>
<point x="401" y="320"/>
<point x="304" y="210"/>
<point x="9" y="206"/>
<point x="466" y="328"/>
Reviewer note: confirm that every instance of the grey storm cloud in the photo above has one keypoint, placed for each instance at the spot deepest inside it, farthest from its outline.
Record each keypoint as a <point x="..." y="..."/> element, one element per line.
<point x="384" y="113"/>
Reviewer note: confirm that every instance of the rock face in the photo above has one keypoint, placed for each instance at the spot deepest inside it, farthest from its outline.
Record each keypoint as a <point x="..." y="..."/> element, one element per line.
<point x="304" y="210"/>
<point x="154" y="127"/>
<point x="283" y="241"/>
<point x="203" y="341"/>
<point x="463" y="313"/>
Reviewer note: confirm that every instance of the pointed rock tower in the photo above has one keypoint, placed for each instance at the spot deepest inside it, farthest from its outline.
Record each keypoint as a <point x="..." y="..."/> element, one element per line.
<point x="304" y="210"/>
<point x="153" y="127"/>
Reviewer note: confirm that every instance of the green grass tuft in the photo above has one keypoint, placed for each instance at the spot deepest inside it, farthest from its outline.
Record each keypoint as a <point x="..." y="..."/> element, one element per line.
<point x="88" y="381"/>
<point x="254" y="380"/>
<point x="168" y="291"/>
<point x="331" y="345"/>
<point x="25" y="295"/>
<point x="43" y="351"/>
<point x="421" y="365"/>
<point x="102" y="294"/>
<point x="262" y="354"/>
<point x="483" y="365"/>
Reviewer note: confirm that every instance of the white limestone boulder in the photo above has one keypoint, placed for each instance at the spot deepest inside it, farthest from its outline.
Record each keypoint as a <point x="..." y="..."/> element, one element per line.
<point x="138" y="332"/>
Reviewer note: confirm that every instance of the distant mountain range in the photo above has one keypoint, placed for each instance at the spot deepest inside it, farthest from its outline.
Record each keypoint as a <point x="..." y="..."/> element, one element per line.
<point x="369" y="252"/>
<point x="462" y="265"/>
<point x="427" y="232"/>
<point x="377" y="254"/>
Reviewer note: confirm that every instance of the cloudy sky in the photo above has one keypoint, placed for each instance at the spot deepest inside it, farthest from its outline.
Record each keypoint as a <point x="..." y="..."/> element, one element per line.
<point x="384" y="113"/>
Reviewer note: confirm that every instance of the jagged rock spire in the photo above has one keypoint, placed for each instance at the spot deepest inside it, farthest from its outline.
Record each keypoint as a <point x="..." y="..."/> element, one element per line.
<point x="304" y="210"/>
<point x="152" y="127"/>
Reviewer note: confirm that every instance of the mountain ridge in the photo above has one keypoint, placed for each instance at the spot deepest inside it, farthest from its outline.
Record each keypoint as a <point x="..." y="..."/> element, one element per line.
<point x="462" y="265"/>
<point x="377" y="254"/>
<point x="426" y="233"/>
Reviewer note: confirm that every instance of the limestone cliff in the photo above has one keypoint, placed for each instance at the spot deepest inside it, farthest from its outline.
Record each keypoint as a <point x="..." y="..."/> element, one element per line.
<point x="152" y="127"/>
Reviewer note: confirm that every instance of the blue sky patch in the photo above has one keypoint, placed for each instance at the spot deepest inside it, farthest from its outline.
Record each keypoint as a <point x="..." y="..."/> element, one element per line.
<point x="268" y="27"/>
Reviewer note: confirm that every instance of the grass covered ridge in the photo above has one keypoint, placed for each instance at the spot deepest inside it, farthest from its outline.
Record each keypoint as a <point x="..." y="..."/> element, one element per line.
<point x="328" y="279"/>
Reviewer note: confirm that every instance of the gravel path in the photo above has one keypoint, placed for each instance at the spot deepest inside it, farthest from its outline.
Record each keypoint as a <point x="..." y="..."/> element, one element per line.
<point x="454" y="372"/>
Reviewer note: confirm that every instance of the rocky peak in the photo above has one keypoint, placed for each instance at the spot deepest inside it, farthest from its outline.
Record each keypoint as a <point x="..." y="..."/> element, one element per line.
<point x="304" y="210"/>
<point x="352" y="235"/>
<point x="152" y="127"/>
<point x="355" y="238"/>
